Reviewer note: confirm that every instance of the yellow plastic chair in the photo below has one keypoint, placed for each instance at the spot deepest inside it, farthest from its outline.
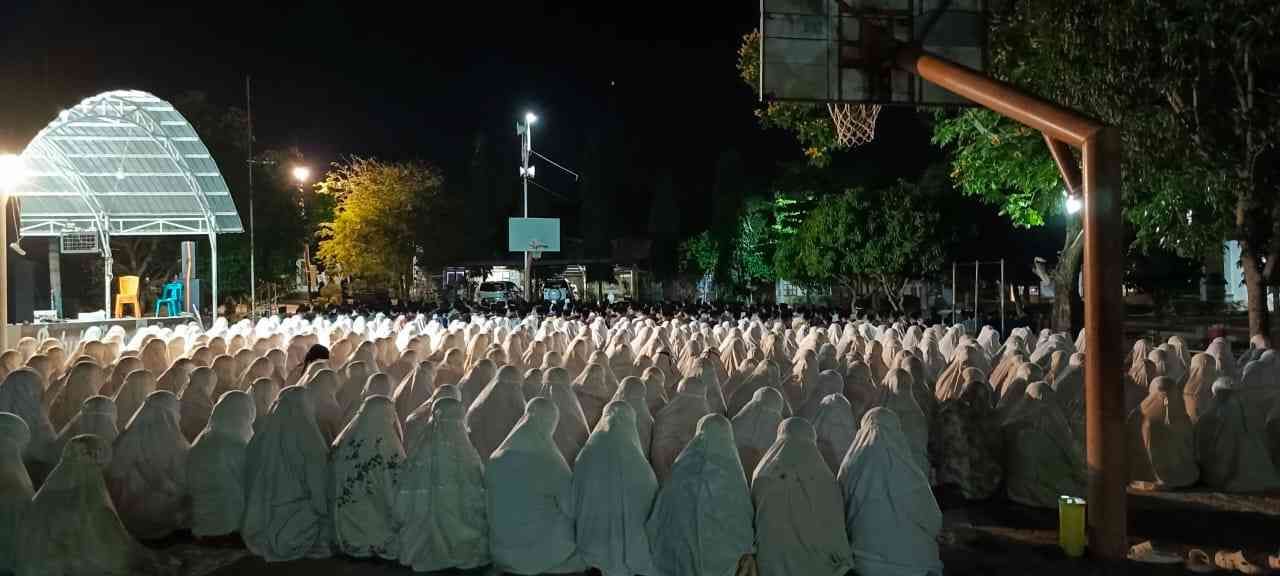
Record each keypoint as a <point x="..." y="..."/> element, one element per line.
<point x="128" y="296"/>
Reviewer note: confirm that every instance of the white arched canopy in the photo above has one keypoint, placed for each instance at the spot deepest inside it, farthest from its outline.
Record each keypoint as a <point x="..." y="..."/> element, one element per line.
<point x="124" y="163"/>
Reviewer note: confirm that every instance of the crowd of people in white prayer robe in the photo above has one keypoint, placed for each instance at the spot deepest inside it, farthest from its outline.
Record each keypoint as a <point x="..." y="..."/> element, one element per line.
<point x="545" y="445"/>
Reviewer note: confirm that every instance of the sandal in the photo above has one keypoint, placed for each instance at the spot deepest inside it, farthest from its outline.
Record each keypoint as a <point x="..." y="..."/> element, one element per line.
<point x="1198" y="561"/>
<point x="1236" y="561"/>
<point x="1146" y="552"/>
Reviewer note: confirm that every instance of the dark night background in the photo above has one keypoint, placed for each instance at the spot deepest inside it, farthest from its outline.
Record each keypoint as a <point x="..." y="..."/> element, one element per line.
<point x="397" y="82"/>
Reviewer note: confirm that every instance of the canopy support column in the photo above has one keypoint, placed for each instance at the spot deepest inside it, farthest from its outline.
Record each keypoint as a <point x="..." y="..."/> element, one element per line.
<point x="213" y="281"/>
<point x="108" y="264"/>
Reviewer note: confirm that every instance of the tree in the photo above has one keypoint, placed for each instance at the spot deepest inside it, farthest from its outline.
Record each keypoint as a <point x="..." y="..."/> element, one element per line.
<point x="380" y="205"/>
<point x="1193" y="85"/>
<point x="809" y="123"/>
<point x="887" y="236"/>
<point x="747" y="262"/>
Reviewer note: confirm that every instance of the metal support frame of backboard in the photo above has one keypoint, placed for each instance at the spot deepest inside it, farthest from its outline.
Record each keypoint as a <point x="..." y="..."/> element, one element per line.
<point x="810" y="32"/>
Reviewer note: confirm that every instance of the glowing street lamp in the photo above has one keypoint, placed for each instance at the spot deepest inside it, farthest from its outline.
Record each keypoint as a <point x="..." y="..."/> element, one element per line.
<point x="11" y="174"/>
<point x="530" y="118"/>
<point x="302" y="174"/>
<point x="1074" y="204"/>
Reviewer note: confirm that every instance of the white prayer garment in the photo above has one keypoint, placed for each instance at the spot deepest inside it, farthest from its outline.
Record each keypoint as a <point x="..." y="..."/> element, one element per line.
<point x="701" y="523"/>
<point x="147" y="477"/>
<point x="265" y="392"/>
<point x="676" y="424"/>
<point x="899" y="398"/>
<point x="196" y="403"/>
<point x="416" y="425"/>
<point x="83" y="381"/>
<point x="415" y="389"/>
<point x="572" y="431"/>
<point x="356" y="374"/>
<point x="530" y="497"/>
<point x="323" y="384"/>
<point x="836" y="428"/>
<point x="1042" y="461"/>
<point x="1197" y="394"/>
<point x="593" y="392"/>
<point x="72" y="528"/>
<point x="827" y="382"/>
<point x="632" y="391"/>
<point x="532" y="384"/>
<point x="441" y="505"/>
<point x="800" y="526"/>
<point x="97" y="416"/>
<point x="892" y="518"/>
<point x="497" y="409"/>
<point x="15" y="486"/>
<point x="475" y="381"/>
<point x="287" y="515"/>
<point x="755" y="427"/>
<point x="614" y="490"/>
<point x="20" y="395"/>
<point x="1161" y="439"/>
<point x="1231" y="444"/>
<point x="367" y="460"/>
<point x="216" y="466"/>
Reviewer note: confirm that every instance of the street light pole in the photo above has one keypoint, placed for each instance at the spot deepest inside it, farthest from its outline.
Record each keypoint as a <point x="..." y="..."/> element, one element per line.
<point x="302" y="174"/>
<point x="11" y="173"/>
<point x="526" y="149"/>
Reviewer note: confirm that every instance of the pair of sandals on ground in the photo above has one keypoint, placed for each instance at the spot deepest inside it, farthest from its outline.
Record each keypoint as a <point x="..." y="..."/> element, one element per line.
<point x="1199" y="561"/>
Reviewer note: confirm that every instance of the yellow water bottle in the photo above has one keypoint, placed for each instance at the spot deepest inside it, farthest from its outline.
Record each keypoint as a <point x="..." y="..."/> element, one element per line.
<point x="1071" y="521"/>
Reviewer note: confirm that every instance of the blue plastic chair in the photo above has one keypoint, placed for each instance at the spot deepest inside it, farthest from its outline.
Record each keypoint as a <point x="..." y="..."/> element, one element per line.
<point x="171" y="299"/>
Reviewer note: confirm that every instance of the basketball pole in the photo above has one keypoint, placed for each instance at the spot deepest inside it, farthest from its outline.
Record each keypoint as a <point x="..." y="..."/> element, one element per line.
<point x="526" y="147"/>
<point x="1100" y="150"/>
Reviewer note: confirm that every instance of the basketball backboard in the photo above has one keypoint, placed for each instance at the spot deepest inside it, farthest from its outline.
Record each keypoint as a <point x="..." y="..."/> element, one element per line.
<point x="842" y="50"/>
<point x="533" y="234"/>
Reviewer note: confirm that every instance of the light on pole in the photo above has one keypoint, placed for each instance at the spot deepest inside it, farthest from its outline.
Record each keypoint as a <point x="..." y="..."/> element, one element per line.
<point x="11" y="174"/>
<point x="302" y="175"/>
<point x="1073" y="203"/>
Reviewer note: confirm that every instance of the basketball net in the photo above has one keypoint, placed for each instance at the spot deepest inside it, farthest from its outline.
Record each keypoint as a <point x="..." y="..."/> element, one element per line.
<point x="855" y="123"/>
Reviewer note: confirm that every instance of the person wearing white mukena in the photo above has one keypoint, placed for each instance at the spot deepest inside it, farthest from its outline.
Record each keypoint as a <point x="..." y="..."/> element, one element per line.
<point x="530" y="498"/>
<point x="367" y="458"/>
<point x="287" y="512"/>
<point x="892" y="518"/>
<point x="440" y="506"/>
<point x="148" y="475"/>
<point x="614" y="489"/>
<point x="701" y="523"/>
<point x="216" y="467"/>
<point x="15" y="485"/>
<point x="800" y="527"/>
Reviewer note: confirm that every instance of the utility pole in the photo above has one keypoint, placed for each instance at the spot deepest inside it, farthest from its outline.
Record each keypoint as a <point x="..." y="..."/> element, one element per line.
<point x="526" y="172"/>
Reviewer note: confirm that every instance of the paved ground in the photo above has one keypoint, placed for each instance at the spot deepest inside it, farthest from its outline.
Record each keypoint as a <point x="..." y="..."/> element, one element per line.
<point x="979" y="540"/>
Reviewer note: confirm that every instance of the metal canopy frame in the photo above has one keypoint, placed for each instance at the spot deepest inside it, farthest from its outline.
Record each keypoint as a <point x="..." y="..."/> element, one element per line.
<point x="124" y="163"/>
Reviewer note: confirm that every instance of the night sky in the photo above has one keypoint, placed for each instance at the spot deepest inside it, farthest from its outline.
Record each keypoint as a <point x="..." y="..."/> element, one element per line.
<point x="396" y="82"/>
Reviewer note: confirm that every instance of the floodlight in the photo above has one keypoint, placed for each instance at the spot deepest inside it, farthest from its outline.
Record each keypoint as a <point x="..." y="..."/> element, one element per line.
<point x="11" y="171"/>
<point x="1074" y="204"/>
<point x="302" y="174"/>
<point x="530" y="118"/>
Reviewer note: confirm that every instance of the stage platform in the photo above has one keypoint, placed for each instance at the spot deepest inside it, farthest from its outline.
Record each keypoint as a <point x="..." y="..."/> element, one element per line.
<point x="73" y="328"/>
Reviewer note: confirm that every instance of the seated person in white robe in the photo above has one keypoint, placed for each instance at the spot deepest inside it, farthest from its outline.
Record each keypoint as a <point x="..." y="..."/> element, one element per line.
<point x="1042" y="461"/>
<point x="440" y="508"/>
<point x="20" y="395"/>
<point x="264" y="391"/>
<point x="497" y="409"/>
<point x="892" y="518"/>
<point x="415" y="389"/>
<point x="97" y="416"/>
<point x="1230" y="444"/>
<point x="83" y="381"/>
<point x="216" y="467"/>
<point x="965" y="443"/>
<point x="72" y="529"/>
<point x="676" y="424"/>
<point x="417" y="424"/>
<point x="197" y="402"/>
<point x="148" y="474"/>
<point x="836" y="428"/>
<point x="632" y="391"/>
<point x="15" y="486"/>
<point x="800" y="527"/>
<point x="593" y="392"/>
<point x="367" y="457"/>
<point x="287" y="514"/>
<point x="755" y="427"/>
<point x="613" y="489"/>
<point x="530" y="498"/>
<point x="323" y="384"/>
<point x="532" y="384"/>
<point x="475" y="381"/>
<point x="897" y="396"/>
<point x="825" y="383"/>
<point x="1162" y="448"/>
<point x="702" y="520"/>
<point x="132" y="393"/>
<point x="571" y="433"/>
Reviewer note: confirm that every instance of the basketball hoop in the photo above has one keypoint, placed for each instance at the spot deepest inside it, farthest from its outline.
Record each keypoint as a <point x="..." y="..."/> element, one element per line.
<point x="855" y="123"/>
<point x="535" y="249"/>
